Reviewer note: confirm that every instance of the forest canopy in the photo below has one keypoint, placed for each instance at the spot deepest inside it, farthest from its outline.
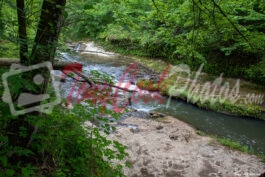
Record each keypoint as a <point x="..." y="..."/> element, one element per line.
<point x="227" y="36"/>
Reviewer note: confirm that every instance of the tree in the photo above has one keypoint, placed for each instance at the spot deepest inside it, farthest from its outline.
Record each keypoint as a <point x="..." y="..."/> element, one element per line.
<point x="56" y="144"/>
<point x="43" y="50"/>
<point x="22" y="31"/>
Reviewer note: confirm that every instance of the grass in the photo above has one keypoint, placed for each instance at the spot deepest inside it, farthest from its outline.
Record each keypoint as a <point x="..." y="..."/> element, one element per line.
<point x="201" y="133"/>
<point x="239" y="147"/>
<point x="234" y="145"/>
<point x="231" y="144"/>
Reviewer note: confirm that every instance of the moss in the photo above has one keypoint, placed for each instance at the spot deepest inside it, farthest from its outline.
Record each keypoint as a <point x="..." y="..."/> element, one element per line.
<point x="147" y="85"/>
<point x="246" y="110"/>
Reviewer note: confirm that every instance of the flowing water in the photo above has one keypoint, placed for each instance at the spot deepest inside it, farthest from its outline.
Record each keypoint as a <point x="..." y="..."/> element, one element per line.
<point x="248" y="132"/>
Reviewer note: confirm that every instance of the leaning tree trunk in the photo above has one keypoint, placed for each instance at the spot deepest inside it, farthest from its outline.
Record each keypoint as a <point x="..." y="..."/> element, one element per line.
<point x="47" y="36"/>
<point x="48" y="31"/>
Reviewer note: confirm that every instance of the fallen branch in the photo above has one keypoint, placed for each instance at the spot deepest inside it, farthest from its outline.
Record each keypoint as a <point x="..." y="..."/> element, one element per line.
<point x="121" y="88"/>
<point x="92" y="82"/>
<point x="87" y="79"/>
<point x="59" y="66"/>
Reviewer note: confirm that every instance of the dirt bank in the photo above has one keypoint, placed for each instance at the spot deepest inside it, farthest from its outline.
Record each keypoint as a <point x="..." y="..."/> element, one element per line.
<point x="171" y="148"/>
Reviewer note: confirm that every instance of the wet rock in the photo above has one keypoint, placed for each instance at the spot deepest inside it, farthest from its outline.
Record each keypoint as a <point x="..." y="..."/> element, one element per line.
<point x="77" y="46"/>
<point x="132" y="128"/>
<point x="135" y="113"/>
<point x="156" y="115"/>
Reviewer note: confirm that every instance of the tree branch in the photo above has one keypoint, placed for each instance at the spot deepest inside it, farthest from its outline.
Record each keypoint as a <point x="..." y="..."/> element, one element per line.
<point x="233" y="25"/>
<point x="92" y="82"/>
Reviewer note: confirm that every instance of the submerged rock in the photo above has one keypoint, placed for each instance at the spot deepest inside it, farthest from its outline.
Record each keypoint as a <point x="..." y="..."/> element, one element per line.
<point x="156" y="115"/>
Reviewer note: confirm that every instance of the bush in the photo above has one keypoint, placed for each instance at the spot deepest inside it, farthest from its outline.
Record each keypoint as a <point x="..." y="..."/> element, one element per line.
<point x="64" y="147"/>
<point x="60" y="144"/>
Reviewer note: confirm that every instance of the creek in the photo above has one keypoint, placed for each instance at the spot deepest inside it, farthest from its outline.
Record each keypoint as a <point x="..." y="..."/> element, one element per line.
<point x="246" y="131"/>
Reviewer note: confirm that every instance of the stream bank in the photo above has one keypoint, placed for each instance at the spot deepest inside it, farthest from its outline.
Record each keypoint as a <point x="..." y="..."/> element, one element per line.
<point x="251" y="97"/>
<point x="168" y="147"/>
<point x="247" y="132"/>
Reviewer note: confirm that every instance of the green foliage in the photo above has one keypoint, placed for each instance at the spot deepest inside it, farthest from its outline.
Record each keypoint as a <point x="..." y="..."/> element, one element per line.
<point x="201" y="133"/>
<point x="79" y="150"/>
<point x="66" y="145"/>
<point x="225" y="39"/>
<point x="63" y="144"/>
<point x="9" y="26"/>
<point x="92" y="17"/>
<point x="234" y="145"/>
<point x="104" y="77"/>
<point x="257" y="72"/>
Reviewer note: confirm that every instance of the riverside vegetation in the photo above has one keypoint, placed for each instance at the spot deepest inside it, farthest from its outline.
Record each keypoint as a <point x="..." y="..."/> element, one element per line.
<point x="63" y="146"/>
<point x="227" y="36"/>
<point x="50" y="145"/>
<point x="226" y="40"/>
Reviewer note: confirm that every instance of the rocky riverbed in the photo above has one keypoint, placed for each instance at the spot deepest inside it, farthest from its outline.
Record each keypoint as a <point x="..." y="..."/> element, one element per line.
<point x="167" y="147"/>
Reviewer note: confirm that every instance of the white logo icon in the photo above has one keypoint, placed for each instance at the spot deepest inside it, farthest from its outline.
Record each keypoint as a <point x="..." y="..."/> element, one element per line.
<point x="26" y="99"/>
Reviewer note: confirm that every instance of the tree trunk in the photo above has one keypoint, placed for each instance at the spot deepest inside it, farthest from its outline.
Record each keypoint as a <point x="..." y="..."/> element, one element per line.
<point x="47" y="37"/>
<point x="43" y="50"/>
<point x="48" y="31"/>
<point x="22" y="32"/>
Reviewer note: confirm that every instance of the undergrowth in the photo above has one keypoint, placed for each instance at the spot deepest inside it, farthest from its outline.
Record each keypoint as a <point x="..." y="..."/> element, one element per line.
<point x="62" y="144"/>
